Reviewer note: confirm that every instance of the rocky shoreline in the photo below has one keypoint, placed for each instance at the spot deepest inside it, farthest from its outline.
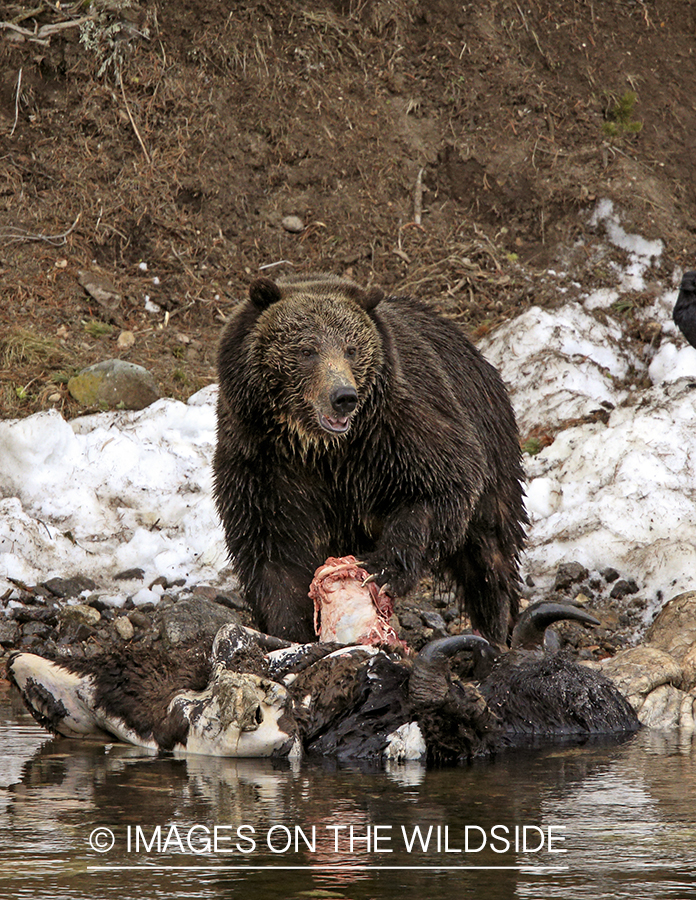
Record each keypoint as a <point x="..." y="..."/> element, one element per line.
<point x="653" y="664"/>
<point x="75" y="616"/>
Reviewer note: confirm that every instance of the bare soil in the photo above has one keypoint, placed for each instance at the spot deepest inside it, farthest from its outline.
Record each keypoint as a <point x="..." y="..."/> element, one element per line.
<point x="453" y="150"/>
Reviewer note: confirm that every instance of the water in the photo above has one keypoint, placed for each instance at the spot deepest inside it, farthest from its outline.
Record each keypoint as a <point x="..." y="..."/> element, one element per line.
<point x="624" y="814"/>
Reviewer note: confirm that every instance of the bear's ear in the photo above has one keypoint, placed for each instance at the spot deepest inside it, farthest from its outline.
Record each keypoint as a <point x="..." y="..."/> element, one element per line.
<point x="263" y="292"/>
<point x="367" y="299"/>
<point x="371" y="298"/>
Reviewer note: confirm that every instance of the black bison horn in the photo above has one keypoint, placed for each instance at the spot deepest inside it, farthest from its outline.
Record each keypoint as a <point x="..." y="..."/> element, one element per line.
<point x="450" y="646"/>
<point x="528" y="633"/>
<point x="429" y="682"/>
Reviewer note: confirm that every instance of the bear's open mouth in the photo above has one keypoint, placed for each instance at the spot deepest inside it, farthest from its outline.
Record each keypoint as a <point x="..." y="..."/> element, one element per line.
<point x="337" y="425"/>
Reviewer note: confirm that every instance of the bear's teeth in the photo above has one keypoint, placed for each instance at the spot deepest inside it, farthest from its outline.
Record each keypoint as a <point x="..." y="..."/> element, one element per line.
<point x="338" y="424"/>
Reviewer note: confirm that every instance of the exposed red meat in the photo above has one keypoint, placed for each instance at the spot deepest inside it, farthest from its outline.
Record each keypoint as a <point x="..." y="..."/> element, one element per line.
<point x="346" y="609"/>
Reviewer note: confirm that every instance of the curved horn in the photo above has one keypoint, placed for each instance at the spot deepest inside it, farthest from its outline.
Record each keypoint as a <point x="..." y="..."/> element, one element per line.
<point x="450" y="646"/>
<point x="532" y="624"/>
<point x="430" y="681"/>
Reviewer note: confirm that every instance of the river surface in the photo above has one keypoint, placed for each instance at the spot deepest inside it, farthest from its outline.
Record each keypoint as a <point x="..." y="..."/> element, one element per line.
<point x="601" y="820"/>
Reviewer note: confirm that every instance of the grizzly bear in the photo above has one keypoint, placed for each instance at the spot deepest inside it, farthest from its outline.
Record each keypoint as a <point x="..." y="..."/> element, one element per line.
<point x="350" y="422"/>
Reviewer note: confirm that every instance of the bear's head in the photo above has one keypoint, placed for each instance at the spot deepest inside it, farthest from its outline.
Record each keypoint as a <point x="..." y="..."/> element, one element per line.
<point x="316" y="352"/>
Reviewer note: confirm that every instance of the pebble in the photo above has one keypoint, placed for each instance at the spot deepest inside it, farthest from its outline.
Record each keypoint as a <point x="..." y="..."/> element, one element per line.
<point x="70" y="587"/>
<point x="81" y="614"/>
<point x="124" y="628"/>
<point x="293" y="224"/>
<point x="568" y="574"/>
<point x="125" y="340"/>
<point x="609" y="574"/>
<point x="138" y="618"/>
<point x="9" y="633"/>
<point x="100" y="288"/>
<point x="435" y="621"/>
<point x="134" y="574"/>
<point x="623" y="587"/>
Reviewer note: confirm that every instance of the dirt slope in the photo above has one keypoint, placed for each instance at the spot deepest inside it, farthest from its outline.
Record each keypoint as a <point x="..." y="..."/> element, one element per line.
<point x="451" y="149"/>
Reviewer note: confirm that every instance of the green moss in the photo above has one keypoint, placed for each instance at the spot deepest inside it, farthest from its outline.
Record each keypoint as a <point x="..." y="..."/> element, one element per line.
<point x="532" y="446"/>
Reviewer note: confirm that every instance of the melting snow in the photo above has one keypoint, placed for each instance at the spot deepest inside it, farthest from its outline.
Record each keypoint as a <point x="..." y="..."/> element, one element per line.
<point x="109" y="492"/>
<point x="117" y="490"/>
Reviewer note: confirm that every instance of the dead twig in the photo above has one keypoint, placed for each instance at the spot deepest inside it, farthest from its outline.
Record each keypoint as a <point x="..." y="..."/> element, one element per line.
<point x="132" y="121"/>
<point x="40" y="35"/>
<point x="19" y="88"/>
<point x="281" y="262"/>
<point x="19" y="235"/>
<point x="418" y="198"/>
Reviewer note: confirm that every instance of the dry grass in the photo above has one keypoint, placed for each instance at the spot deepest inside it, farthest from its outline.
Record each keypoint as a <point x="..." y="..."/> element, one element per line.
<point x="22" y="347"/>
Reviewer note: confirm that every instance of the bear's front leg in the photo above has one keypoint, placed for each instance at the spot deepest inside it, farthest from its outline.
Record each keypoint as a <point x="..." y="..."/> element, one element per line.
<point x="279" y="594"/>
<point x="407" y="547"/>
<point x="276" y="536"/>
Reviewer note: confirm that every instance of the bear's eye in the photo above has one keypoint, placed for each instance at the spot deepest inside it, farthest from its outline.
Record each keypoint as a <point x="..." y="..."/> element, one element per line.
<point x="307" y="352"/>
<point x="351" y="352"/>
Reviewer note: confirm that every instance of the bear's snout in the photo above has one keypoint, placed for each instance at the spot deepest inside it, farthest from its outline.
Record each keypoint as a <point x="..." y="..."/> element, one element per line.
<point x="344" y="399"/>
<point x="337" y="397"/>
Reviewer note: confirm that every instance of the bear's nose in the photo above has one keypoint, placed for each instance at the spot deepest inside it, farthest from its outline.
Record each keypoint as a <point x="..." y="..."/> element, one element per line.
<point x="344" y="400"/>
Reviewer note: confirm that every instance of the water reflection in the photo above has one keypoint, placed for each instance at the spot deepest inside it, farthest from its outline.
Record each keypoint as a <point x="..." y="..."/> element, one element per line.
<point x="626" y="811"/>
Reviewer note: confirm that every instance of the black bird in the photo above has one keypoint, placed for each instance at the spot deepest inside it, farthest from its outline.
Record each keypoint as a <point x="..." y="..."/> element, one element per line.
<point x="684" y="314"/>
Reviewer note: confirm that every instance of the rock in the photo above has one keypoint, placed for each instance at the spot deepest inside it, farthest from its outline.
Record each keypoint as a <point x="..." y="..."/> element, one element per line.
<point x="435" y="621"/>
<point x="9" y="632"/>
<point x="667" y="707"/>
<point x="609" y="575"/>
<point x="124" y="628"/>
<point x="73" y="633"/>
<point x="125" y="340"/>
<point x="410" y="620"/>
<point x="70" y="587"/>
<point x="569" y="574"/>
<point x="192" y="619"/>
<point x="293" y="224"/>
<point x="624" y="587"/>
<point x="99" y="604"/>
<point x="80" y="614"/>
<point x="46" y="614"/>
<point x="130" y="575"/>
<point x="114" y="383"/>
<point x="37" y="629"/>
<point x="100" y="288"/>
<point x="638" y="671"/>
<point x="138" y="618"/>
<point x="674" y="629"/>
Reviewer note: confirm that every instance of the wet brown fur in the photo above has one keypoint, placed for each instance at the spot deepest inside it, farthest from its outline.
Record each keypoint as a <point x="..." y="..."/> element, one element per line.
<point x="138" y="685"/>
<point x="427" y="478"/>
